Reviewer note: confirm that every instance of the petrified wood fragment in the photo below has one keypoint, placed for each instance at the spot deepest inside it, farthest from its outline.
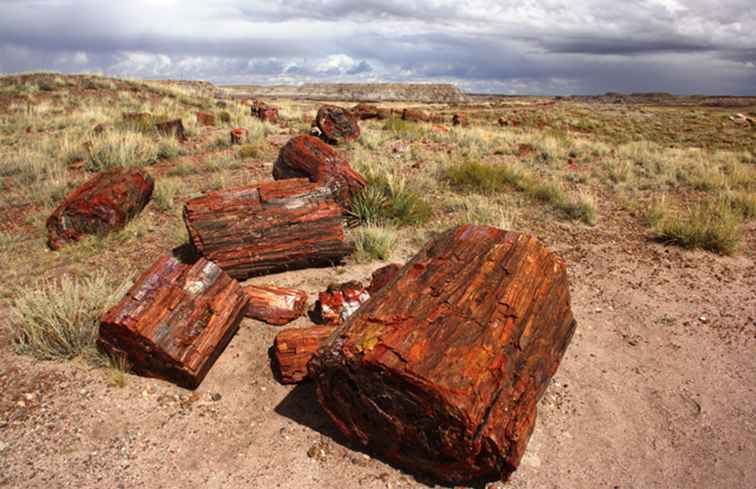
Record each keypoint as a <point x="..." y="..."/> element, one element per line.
<point x="415" y="115"/>
<point x="238" y="135"/>
<point x="339" y="301"/>
<point x="442" y="370"/>
<point x="173" y="128"/>
<point x="459" y="119"/>
<point x="268" y="227"/>
<point x="103" y="204"/>
<point x="175" y="321"/>
<point x="368" y="111"/>
<point x="337" y="124"/>
<point x="275" y="305"/>
<point x="205" y="119"/>
<point x="294" y="348"/>
<point x="309" y="157"/>
<point x="382" y="277"/>
<point x="264" y="112"/>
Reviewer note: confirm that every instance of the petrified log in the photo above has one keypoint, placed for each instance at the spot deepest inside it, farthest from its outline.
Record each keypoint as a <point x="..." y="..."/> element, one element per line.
<point x="337" y="124"/>
<point x="173" y="128"/>
<point x="368" y="111"/>
<point x="103" y="204"/>
<point x="415" y="115"/>
<point x="175" y="321"/>
<point x="264" y="112"/>
<point x="275" y="305"/>
<point x="442" y="370"/>
<point x="205" y="119"/>
<point x="294" y="348"/>
<point x="268" y="227"/>
<point x="309" y="157"/>
<point x="459" y="119"/>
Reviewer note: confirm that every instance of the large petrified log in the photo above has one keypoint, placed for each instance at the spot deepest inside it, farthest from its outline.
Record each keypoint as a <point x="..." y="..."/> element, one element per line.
<point x="275" y="305"/>
<point x="309" y="157"/>
<point x="442" y="370"/>
<point x="268" y="227"/>
<point x="337" y="124"/>
<point x="294" y="348"/>
<point x="175" y="321"/>
<point x="103" y="204"/>
<point x="368" y="111"/>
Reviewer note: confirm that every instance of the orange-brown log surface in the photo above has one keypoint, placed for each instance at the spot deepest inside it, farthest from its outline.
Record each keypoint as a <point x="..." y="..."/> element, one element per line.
<point x="103" y="204"/>
<point x="174" y="128"/>
<point x="294" y="348"/>
<point x="275" y="305"/>
<point x="309" y="157"/>
<point x="369" y="111"/>
<point x="337" y="124"/>
<point x="441" y="371"/>
<point x="205" y="119"/>
<point x="268" y="227"/>
<point x="175" y="321"/>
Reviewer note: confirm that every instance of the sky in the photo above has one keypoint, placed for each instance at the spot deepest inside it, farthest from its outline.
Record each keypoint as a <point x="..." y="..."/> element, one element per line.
<point x="553" y="47"/>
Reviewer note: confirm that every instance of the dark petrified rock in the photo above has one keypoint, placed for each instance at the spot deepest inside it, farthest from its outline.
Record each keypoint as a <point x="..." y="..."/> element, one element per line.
<point x="264" y="112"/>
<point x="368" y="111"/>
<point x="173" y="128"/>
<point x="441" y="371"/>
<point x="101" y="205"/>
<point x="459" y="119"/>
<point x="382" y="277"/>
<point x="175" y="321"/>
<point x="275" y="305"/>
<point x="268" y="227"/>
<point x="337" y="124"/>
<point x="309" y="157"/>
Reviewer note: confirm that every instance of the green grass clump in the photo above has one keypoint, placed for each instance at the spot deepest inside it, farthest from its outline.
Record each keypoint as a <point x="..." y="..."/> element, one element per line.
<point x="374" y="243"/>
<point x="59" y="319"/>
<point x="712" y="225"/>
<point x="390" y="201"/>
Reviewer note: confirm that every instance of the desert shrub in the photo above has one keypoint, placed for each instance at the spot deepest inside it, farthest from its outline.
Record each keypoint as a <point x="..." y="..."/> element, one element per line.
<point x="481" y="210"/>
<point x="117" y="148"/>
<point x="389" y="200"/>
<point x="165" y="193"/>
<point x="404" y="129"/>
<point x="374" y="243"/>
<point x="711" y="225"/>
<point x="59" y="319"/>
<point x="224" y="117"/>
<point x="181" y="170"/>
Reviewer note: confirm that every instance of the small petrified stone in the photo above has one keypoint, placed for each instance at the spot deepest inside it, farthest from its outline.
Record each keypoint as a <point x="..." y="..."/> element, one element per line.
<point x="268" y="227"/>
<point x="337" y="124"/>
<point x="238" y="135"/>
<point x="275" y="305"/>
<point x="105" y="203"/>
<point x="264" y="112"/>
<point x="442" y="370"/>
<point x="309" y="157"/>
<point x="339" y="301"/>
<point x="175" y="321"/>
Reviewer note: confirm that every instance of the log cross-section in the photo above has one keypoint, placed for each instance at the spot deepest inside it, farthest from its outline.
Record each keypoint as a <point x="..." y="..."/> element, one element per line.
<point x="441" y="371"/>
<point x="175" y="321"/>
<point x="268" y="227"/>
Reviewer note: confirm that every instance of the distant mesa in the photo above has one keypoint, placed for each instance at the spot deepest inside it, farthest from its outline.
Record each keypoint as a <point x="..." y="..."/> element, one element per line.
<point x="357" y="92"/>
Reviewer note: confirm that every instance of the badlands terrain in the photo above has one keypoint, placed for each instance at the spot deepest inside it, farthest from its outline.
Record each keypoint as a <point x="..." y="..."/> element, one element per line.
<point x="649" y="198"/>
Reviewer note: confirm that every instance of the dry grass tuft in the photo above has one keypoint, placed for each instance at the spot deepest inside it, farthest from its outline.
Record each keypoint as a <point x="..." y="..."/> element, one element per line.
<point x="711" y="225"/>
<point x="374" y="243"/>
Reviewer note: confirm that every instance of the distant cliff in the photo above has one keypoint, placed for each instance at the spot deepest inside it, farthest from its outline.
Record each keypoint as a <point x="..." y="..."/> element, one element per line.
<point x="358" y="92"/>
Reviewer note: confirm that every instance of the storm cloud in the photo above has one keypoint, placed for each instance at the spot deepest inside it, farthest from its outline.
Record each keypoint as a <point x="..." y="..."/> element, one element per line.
<point x="527" y="47"/>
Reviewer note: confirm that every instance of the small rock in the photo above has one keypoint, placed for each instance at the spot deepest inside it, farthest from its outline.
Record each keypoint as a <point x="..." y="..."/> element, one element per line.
<point x="215" y="396"/>
<point x="703" y="319"/>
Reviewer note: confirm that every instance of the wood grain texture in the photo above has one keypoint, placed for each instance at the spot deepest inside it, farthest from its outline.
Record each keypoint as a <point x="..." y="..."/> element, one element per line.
<point x="309" y="157"/>
<point x="175" y="321"/>
<point x="103" y="204"/>
<point x="268" y="227"/>
<point x="294" y="348"/>
<point x="441" y="371"/>
<point x="275" y="305"/>
<point x="337" y="124"/>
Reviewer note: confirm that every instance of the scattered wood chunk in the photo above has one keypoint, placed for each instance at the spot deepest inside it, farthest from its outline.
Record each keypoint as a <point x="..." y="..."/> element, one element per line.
<point x="275" y="305"/>
<point x="268" y="227"/>
<point x="309" y="157"/>
<point x="459" y="119"/>
<point x="173" y="128"/>
<point x="175" y="321"/>
<point x="337" y="124"/>
<point x="206" y="119"/>
<point x="339" y="301"/>
<point x="442" y="370"/>
<point x="294" y="348"/>
<point x="101" y="205"/>
<point x="238" y="135"/>
<point x="368" y="111"/>
<point x="264" y="112"/>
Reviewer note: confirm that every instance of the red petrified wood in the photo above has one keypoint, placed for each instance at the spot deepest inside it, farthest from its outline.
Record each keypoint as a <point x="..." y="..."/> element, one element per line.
<point x="275" y="305"/>
<point x="368" y="111"/>
<point x="459" y="119"/>
<point x="264" y="112"/>
<point x="309" y="157"/>
<point x="173" y="128"/>
<point x="415" y="115"/>
<point x="175" y="321"/>
<point x="205" y="119"/>
<point x="268" y="227"/>
<point x="339" y="301"/>
<point x="337" y="124"/>
<point x="238" y="135"/>
<point x="442" y="370"/>
<point x="101" y="205"/>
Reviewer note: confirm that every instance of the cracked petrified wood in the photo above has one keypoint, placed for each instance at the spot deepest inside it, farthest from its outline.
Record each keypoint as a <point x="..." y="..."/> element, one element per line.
<point x="275" y="305"/>
<point x="268" y="227"/>
<point x="309" y="157"/>
<point x="337" y="124"/>
<point x="294" y="348"/>
<point x="441" y="371"/>
<point x="103" y="204"/>
<point x="175" y="321"/>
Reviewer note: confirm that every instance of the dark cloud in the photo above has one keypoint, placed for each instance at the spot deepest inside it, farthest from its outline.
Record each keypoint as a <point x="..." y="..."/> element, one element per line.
<point x="554" y="46"/>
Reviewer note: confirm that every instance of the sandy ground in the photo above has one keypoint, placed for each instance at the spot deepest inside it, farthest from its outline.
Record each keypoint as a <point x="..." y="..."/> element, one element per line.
<point x="655" y="391"/>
